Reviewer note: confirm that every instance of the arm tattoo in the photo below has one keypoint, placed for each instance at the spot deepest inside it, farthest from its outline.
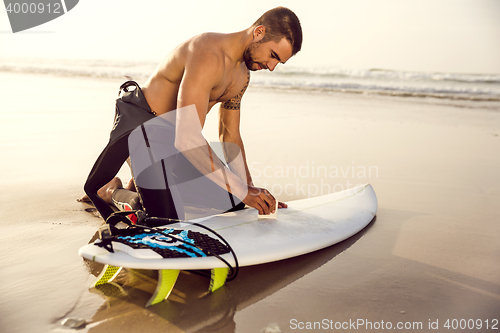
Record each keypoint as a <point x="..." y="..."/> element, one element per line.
<point x="234" y="103"/>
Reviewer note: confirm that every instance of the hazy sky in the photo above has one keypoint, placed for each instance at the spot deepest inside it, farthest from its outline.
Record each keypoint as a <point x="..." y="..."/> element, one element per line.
<point x="461" y="36"/>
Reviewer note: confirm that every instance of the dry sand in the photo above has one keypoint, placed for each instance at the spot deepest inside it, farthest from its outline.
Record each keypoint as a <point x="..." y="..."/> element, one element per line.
<point x="432" y="253"/>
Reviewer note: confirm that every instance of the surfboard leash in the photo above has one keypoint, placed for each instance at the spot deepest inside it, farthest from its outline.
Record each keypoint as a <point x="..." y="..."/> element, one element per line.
<point x="233" y="271"/>
<point x="110" y="229"/>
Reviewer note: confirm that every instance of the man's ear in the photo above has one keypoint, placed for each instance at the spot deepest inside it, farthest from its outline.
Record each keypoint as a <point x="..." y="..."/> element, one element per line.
<point x="258" y="33"/>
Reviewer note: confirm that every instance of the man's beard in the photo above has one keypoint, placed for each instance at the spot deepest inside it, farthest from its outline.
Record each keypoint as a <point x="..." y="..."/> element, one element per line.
<point x="248" y="56"/>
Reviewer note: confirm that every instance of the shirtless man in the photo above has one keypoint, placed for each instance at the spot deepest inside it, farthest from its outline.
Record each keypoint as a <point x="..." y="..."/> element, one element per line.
<point x="215" y="68"/>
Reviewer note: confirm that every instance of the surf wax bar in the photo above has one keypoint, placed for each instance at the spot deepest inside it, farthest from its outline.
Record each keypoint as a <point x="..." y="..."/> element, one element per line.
<point x="272" y="216"/>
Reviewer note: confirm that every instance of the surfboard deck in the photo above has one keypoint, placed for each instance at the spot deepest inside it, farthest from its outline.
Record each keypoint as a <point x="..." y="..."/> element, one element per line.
<point x="305" y="226"/>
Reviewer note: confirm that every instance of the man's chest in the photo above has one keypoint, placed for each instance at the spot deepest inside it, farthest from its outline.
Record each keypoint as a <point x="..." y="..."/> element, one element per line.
<point x="231" y="87"/>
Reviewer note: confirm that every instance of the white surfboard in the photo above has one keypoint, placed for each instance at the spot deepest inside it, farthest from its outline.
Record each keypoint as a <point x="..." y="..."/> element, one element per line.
<point x="305" y="226"/>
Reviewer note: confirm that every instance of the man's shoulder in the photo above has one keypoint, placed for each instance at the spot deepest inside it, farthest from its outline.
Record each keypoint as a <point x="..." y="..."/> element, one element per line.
<point x="207" y="45"/>
<point x="204" y="52"/>
<point x="202" y="57"/>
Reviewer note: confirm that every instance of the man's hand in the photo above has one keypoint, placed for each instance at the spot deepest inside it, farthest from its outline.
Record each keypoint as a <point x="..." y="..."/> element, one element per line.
<point x="260" y="199"/>
<point x="282" y="205"/>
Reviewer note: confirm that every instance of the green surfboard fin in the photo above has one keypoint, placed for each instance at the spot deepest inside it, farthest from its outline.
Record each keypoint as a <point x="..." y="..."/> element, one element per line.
<point x="107" y="274"/>
<point x="219" y="276"/>
<point x="166" y="282"/>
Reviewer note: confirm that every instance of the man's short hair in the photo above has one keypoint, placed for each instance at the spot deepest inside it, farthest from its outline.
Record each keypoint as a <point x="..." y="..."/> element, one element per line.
<point x="281" y="22"/>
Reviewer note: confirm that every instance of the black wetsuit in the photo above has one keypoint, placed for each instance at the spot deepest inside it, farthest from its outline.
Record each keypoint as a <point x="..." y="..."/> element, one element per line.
<point x="163" y="199"/>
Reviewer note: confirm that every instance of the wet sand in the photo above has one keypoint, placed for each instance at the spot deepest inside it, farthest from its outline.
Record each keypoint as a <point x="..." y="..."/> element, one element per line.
<point x="431" y="254"/>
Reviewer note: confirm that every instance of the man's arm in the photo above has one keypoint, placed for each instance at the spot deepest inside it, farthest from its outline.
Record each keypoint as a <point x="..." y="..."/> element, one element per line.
<point x="229" y="134"/>
<point x="203" y="71"/>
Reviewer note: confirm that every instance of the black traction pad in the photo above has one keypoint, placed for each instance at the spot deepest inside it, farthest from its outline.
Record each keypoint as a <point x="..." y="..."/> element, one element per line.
<point x="172" y="243"/>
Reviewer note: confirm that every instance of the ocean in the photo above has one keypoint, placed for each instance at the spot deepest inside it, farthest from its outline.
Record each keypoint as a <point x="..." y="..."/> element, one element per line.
<point x="452" y="86"/>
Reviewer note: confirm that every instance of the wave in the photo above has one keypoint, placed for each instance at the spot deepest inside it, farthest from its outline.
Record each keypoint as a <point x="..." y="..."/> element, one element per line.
<point x="474" y="87"/>
<point x="83" y="68"/>
<point x="387" y="74"/>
